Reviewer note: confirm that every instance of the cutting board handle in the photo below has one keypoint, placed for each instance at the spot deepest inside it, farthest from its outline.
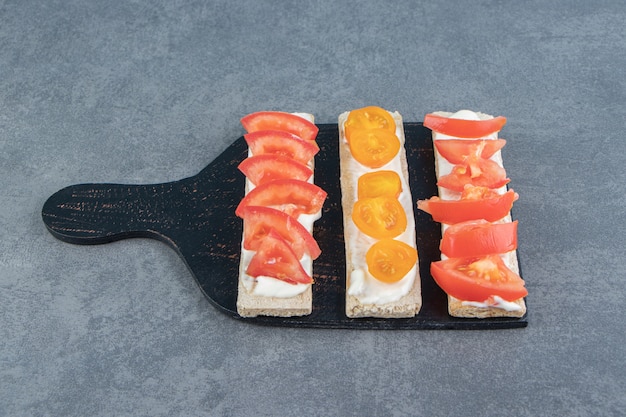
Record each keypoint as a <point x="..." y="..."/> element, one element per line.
<point x="89" y="214"/>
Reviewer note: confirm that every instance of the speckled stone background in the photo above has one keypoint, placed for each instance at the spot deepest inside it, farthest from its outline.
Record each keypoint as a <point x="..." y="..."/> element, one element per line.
<point x="148" y="92"/>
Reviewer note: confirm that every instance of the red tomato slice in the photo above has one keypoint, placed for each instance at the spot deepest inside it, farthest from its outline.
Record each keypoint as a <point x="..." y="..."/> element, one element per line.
<point x="478" y="238"/>
<point x="477" y="172"/>
<point x="276" y="142"/>
<point x="476" y="203"/>
<point x="464" y="128"/>
<point x="275" y="120"/>
<point x="259" y="221"/>
<point x="275" y="258"/>
<point x="293" y="197"/>
<point x="478" y="278"/>
<point x="260" y="169"/>
<point x="457" y="151"/>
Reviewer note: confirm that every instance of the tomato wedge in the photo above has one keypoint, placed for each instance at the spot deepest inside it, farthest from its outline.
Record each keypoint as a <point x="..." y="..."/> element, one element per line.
<point x="476" y="203"/>
<point x="259" y="221"/>
<point x="374" y="148"/>
<point x="275" y="258"/>
<point x="379" y="217"/>
<point x="276" y="120"/>
<point x="293" y="197"/>
<point x="389" y="260"/>
<point x="260" y="169"/>
<point x="379" y="183"/>
<point x="276" y="142"/>
<point x="367" y="118"/>
<point x="478" y="238"/>
<point x="464" y="128"/>
<point x="478" y="278"/>
<point x="457" y="151"/>
<point x="475" y="171"/>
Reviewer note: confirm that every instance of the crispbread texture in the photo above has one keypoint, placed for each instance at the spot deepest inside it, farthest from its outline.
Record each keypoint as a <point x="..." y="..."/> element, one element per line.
<point x="406" y="307"/>
<point x="410" y="304"/>
<point x="456" y="308"/>
<point x="251" y="305"/>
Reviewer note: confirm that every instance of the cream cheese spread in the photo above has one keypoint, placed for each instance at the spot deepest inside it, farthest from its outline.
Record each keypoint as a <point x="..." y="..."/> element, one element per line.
<point x="495" y="301"/>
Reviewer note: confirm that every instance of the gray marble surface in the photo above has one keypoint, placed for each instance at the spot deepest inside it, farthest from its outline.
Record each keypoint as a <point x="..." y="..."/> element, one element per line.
<point x="148" y="92"/>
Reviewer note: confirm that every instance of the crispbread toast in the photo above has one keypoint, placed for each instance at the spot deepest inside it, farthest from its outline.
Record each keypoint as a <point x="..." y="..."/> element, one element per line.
<point x="407" y="305"/>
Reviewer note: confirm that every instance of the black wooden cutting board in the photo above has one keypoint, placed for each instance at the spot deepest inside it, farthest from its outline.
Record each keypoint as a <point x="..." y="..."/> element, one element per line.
<point x="195" y="216"/>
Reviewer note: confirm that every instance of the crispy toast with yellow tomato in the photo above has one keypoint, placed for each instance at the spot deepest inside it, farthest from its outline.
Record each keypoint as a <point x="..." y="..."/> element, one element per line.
<point x="382" y="267"/>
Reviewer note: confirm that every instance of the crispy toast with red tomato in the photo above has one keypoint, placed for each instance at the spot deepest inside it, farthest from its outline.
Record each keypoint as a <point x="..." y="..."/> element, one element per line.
<point x="281" y="203"/>
<point x="382" y="268"/>
<point x="479" y="269"/>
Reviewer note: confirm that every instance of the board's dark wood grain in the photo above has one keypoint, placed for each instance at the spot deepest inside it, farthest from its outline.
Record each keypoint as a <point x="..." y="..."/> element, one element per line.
<point x="195" y="216"/>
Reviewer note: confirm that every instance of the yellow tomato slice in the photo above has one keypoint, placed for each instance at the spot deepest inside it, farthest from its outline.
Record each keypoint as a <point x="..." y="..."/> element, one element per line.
<point x="379" y="183"/>
<point x="390" y="260"/>
<point x="374" y="148"/>
<point x="368" y="118"/>
<point x="379" y="217"/>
